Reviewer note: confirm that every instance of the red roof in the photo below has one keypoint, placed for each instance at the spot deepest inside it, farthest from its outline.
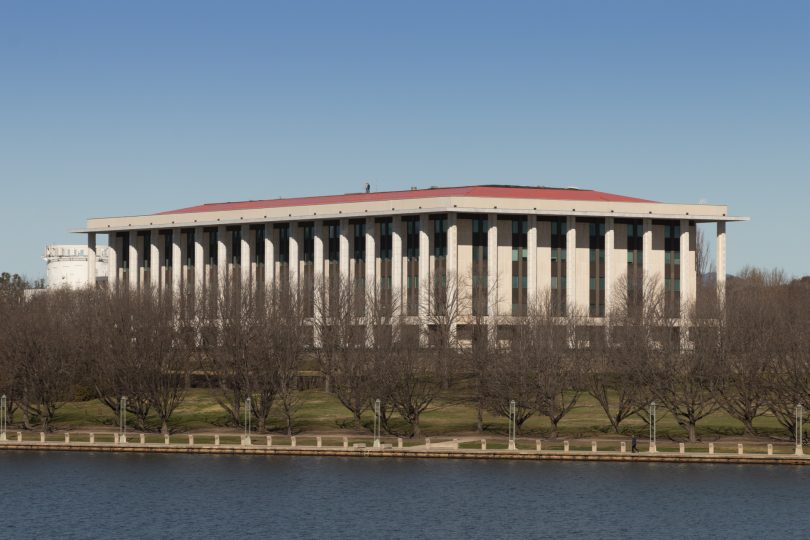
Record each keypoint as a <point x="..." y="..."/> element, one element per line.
<point x="487" y="191"/>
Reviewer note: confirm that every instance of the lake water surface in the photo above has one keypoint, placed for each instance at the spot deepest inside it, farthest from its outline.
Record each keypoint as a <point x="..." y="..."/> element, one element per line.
<point x="95" y="495"/>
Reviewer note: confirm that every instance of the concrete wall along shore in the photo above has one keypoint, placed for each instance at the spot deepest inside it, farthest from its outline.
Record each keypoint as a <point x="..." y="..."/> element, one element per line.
<point x="444" y="448"/>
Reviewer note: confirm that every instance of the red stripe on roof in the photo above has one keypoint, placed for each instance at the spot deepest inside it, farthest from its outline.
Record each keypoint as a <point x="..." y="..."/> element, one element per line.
<point x="513" y="192"/>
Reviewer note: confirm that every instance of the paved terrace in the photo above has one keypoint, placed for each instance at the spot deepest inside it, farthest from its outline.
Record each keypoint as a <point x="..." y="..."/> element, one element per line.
<point x="458" y="448"/>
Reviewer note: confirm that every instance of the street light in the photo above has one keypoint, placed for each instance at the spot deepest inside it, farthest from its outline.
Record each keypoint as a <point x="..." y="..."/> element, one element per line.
<point x="376" y="423"/>
<point x="652" y="427"/>
<point x="512" y="426"/>
<point x="3" y="420"/>
<point x="122" y="415"/>
<point x="247" y="417"/>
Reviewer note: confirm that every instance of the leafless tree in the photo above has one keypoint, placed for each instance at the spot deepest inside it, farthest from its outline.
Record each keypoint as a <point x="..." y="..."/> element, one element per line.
<point x="443" y="308"/>
<point x="110" y="340"/>
<point x="613" y="357"/>
<point x="42" y="342"/>
<point x="681" y="379"/>
<point x="233" y="327"/>
<point x="747" y="355"/>
<point x="288" y="317"/>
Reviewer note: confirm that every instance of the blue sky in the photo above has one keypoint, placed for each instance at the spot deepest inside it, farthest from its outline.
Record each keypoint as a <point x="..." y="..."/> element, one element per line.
<point x="111" y="108"/>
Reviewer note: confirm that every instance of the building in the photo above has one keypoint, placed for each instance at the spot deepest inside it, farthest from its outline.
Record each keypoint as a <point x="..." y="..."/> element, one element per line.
<point x="519" y="242"/>
<point x="66" y="266"/>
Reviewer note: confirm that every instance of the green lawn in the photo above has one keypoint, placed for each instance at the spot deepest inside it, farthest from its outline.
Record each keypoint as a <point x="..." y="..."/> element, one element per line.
<point x="321" y="413"/>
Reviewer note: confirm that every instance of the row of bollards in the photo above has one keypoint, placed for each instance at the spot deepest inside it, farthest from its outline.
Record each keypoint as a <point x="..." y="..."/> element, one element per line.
<point x="246" y="440"/>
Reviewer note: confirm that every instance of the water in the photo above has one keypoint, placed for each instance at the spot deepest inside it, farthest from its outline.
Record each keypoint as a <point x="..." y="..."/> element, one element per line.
<point x="95" y="495"/>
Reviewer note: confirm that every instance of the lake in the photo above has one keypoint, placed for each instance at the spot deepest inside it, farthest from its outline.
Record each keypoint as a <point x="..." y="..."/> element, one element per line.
<point x="94" y="495"/>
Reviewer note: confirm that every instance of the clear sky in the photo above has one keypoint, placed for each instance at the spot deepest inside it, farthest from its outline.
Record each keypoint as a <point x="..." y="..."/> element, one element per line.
<point x="114" y="108"/>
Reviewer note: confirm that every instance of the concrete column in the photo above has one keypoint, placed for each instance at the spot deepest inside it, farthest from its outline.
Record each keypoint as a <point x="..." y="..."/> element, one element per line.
<point x="687" y="270"/>
<point x="720" y="252"/>
<point x="177" y="262"/>
<point x="610" y="278"/>
<point x="91" y="260"/>
<point x="371" y="256"/>
<point x="571" y="265"/>
<point x="647" y="246"/>
<point x="223" y="253"/>
<point x="113" y="260"/>
<point x="246" y="256"/>
<point x="317" y="255"/>
<point x="344" y="251"/>
<point x="269" y="256"/>
<point x="293" y="256"/>
<point x="155" y="260"/>
<point x="396" y="265"/>
<point x="492" y="264"/>
<point x="424" y="265"/>
<point x="531" y="262"/>
<point x="135" y="260"/>
<point x="199" y="260"/>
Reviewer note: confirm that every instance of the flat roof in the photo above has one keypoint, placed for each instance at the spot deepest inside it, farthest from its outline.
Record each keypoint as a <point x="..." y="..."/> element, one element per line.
<point x="477" y="199"/>
<point x="483" y="191"/>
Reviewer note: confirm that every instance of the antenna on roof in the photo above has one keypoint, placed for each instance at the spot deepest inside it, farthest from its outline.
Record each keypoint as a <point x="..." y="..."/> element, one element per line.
<point x="367" y="187"/>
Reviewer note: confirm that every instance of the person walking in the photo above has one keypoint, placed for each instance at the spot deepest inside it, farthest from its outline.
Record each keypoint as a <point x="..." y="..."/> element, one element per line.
<point x="634" y="444"/>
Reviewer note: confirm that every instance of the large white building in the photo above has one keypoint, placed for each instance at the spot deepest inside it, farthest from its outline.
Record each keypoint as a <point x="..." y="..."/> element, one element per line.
<point x="576" y="245"/>
<point x="66" y="266"/>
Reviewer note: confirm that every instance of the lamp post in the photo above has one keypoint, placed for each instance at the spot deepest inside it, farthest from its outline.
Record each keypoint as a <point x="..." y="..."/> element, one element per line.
<point x="512" y="426"/>
<point x="376" y="423"/>
<point x="247" y="418"/>
<point x="122" y="416"/>
<point x="652" y="427"/>
<point x="3" y="420"/>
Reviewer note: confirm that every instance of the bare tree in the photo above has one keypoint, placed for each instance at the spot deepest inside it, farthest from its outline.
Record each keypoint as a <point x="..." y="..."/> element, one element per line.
<point x="681" y="379"/>
<point x="287" y="316"/>
<point x="510" y="375"/>
<point x="746" y="354"/>
<point x="114" y="364"/>
<point x="42" y="341"/>
<point x="611" y="373"/>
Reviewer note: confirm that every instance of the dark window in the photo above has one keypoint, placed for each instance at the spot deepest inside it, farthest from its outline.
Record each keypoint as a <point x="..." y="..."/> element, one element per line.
<point x="635" y="262"/>
<point x="672" y="269"/>
<point x="333" y="248"/>
<point x="559" y="266"/>
<point x="520" y="227"/>
<point x="480" y="285"/>
<point x="596" y="271"/>
<point x="411" y="265"/>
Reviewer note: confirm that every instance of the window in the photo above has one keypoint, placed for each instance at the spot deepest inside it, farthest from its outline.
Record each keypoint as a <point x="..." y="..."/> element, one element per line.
<point x="635" y="262"/>
<point x="520" y="228"/>
<point x="411" y="225"/>
<point x="559" y="242"/>
<point x="596" y="255"/>
<point x="480" y="228"/>
<point x="672" y="269"/>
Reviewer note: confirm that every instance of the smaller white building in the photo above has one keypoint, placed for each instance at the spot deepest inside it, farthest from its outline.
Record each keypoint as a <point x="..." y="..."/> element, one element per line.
<point x="67" y="265"/>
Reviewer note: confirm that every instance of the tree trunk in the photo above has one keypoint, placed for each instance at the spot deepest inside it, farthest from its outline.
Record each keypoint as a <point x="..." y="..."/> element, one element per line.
<point x="692" y="432"/>
<point x="479" y="413"/>
<point x="748" y="425"/>
<point x="554" y="430"/>
<point x="164" y="427"/>
<point x="417" y="431"/>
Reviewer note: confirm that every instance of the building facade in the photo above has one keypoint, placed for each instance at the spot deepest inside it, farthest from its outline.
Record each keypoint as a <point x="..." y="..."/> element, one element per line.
<point x="510" y="244"/>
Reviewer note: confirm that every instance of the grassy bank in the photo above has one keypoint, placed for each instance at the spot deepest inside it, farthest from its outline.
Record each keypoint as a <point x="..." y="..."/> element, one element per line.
<point x="320" y="412"/>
